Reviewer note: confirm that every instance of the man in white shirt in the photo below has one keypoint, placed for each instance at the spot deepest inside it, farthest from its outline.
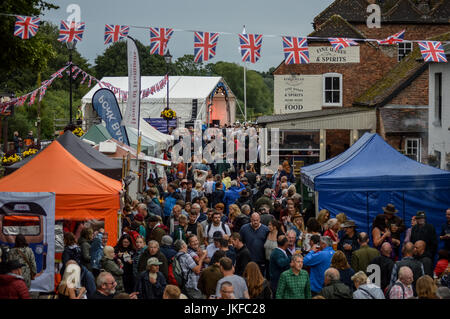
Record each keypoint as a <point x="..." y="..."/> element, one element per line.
<point x="217" y="226"/>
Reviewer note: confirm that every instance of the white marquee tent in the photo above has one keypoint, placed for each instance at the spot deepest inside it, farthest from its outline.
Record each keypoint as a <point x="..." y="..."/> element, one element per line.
<point x="183" y="90"/>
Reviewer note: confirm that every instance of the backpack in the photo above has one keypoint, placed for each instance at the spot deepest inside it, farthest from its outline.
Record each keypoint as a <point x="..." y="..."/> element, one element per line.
<point x="171" y="280"/>
<point x="388" y="289"/>
<point x="177" y="270"/>
<point x="164" y="227"/>
<point x="210" y="225"/>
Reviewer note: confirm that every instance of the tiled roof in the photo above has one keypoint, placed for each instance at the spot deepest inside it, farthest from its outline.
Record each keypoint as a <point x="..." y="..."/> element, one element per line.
<point x="401" y="11"/>
<point x="305" y="115"/>
<point x="336" y="26"/>
<point x="404" y="120"/>
<point x="396" y="79"/>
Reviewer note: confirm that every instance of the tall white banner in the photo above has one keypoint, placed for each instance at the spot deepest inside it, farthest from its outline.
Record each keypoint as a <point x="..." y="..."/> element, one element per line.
<point x="32" y="215"/>
<point x="131" y="117"/>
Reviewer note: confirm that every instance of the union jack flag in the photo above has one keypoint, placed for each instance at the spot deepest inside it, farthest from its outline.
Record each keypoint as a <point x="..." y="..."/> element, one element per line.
<point x="72" y="32"/>
<point x="432" y="51"/>
<point x="295" y="50"/>
<point x="84" y="77"/>
<point x="159" y="37"/>
<point x="205" y="44"/>
<point x="341" y="43"/>
<point x="33" y="97"/>
<point x="21" y="100"/>
<point x="114" y="32"/>
<point x="250" y="47"/>
<point x="26" y="27"/>
<point x="393" y="39"/>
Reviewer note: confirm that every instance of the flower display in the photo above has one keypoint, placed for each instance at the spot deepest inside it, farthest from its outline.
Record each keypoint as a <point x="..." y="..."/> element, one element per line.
<point x="168" y="114"/>
<point x="7" y="160"/>
<point x="30" y="152"/>
<point x="78" y="131"/>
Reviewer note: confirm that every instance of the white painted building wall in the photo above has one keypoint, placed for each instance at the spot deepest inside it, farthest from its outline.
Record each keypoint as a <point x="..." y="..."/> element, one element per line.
<point x="439" y="134"/>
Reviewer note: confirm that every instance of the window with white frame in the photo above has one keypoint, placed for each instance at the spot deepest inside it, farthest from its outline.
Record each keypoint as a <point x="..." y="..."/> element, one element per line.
<point x="412" y="148"/>
<point x="404" y="48"/>
<point x="332" y="89"/>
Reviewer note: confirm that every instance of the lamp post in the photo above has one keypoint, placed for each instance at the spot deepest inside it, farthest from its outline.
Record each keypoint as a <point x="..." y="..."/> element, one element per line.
<point x="71" y="47"/>
<point x="168" y="59"/>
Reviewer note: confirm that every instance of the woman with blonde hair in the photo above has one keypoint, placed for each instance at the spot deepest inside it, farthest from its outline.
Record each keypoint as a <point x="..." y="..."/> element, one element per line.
<point x="333" y="226"/>
<point x="70" y="285"/>
<point x="297" y="224"/>
<point x="339" y="261"/>
<point x="112" y="266"/>
<point x="234" y="212"/>
<point x="426" y="288"/>
<point x="322" y="218"/>
<point x="258" y="286"/>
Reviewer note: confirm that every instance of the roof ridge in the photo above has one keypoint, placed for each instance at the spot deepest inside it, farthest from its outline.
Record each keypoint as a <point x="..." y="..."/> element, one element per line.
<point x="396" y="6"/>
<point x="410" y="73"/>
<point x="336" y="18"/>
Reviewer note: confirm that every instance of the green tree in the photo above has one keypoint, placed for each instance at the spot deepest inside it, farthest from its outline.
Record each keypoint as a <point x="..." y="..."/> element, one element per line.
<point x="186" y="65"/>
<point x="259" y="95"/>
<point x="113" y="61"/>
<point x="55" y="103"/>
<point x="17" y="54"/>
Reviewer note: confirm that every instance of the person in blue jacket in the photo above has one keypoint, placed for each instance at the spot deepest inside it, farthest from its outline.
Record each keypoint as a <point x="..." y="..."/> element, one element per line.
<point x="232" y="194"/>
<point x="170" y="199"/>
<point x="319" y="259"/>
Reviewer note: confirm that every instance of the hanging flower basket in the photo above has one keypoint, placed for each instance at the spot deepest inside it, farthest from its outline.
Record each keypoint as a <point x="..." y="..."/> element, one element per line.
<point x="168" y="114"/>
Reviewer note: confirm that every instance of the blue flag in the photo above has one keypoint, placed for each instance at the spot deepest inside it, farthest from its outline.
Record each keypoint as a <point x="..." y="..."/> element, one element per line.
<point x="105" y="104"/>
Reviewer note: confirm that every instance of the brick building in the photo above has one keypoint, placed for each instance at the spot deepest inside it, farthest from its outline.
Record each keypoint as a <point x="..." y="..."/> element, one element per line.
<point x="342" y="94"/>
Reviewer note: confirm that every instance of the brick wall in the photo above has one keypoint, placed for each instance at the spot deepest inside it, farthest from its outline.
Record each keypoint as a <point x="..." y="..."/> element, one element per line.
<point x="398" y="141"/>
<point x="356" y="77"/>
<point x="337" y="141"/>
<point x="414" y="94"/>
<point x="375" y="62"/>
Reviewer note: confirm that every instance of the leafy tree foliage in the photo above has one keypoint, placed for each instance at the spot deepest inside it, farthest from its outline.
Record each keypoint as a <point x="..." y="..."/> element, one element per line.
<point x="113" y="62"/>
<point x="17" y="54"/>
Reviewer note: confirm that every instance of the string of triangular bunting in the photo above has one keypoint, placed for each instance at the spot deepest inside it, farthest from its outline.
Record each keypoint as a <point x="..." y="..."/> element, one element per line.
<point x="295" y="49"/>
<point x="76" y="71"/>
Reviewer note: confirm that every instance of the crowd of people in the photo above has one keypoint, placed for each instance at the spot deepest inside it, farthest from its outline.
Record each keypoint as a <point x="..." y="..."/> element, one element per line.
<point x="221" y="231"/>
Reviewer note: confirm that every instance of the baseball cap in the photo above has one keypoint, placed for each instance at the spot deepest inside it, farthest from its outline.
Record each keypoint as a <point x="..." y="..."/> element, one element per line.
<point x="153" y="261"/>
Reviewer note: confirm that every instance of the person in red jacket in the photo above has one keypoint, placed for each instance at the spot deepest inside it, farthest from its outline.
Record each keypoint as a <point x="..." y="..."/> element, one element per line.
<point x="12" y="285"/>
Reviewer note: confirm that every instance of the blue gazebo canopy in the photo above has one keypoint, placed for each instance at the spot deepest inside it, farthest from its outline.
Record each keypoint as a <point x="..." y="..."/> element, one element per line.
<point x="371" y="164"/>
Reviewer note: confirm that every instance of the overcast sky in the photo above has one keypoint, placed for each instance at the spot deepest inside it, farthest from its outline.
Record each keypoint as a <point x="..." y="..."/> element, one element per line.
<point x="281" y="17"/>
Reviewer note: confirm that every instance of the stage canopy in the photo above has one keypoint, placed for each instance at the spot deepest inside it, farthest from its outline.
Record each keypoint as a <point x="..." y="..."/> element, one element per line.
<point x="81" y="193"/>
<point x="371" y="174"/>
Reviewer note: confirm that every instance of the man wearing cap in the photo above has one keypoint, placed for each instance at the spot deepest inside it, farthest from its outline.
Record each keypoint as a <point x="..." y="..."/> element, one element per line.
<point x="12" y="284"/>
<point x="153" y="251"/>
<point x="167" y="249"/>
<point x="395" y="224"/>
<point x="348" y="243"/>
<point x="426" y="232"/>
<point x="151" y="283"/>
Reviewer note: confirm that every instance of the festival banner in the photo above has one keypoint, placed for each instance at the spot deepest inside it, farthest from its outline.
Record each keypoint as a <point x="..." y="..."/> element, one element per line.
<point x="105" y="104"/>
<point x="32" y="215"/>
<point x="131" y="117"/>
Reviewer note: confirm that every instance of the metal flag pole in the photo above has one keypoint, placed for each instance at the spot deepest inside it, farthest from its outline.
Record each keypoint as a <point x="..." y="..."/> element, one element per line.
<point x="245" y="86"/>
